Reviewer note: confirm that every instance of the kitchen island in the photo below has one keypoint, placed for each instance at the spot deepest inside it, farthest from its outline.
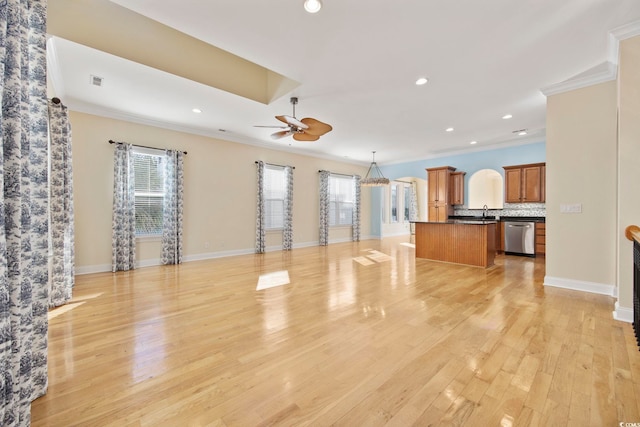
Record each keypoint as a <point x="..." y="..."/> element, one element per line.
<point x="456" y="241"/>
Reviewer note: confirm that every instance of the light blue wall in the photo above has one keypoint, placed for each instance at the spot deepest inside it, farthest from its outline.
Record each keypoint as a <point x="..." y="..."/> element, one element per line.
<point x="471" y="162"/>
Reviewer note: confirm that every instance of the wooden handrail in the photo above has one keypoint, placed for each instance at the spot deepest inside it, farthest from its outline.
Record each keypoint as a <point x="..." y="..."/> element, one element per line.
<point x="632" y="233"/>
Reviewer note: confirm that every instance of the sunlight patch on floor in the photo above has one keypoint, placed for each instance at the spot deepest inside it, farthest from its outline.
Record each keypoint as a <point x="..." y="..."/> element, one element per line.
<point x="55" y="312"/>
<point x="410" y="245"/>
<point x="363" y="260"/>
<point x="378" y="256"/>
<point x="271" y="280"/>
<point x="372" y="257"/>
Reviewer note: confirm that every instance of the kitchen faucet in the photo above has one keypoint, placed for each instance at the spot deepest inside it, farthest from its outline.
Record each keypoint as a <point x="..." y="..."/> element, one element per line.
<point x="485" y="211"/>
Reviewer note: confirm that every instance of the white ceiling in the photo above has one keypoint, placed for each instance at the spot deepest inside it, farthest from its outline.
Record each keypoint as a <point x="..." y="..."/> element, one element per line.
<point x="357" y="62"/>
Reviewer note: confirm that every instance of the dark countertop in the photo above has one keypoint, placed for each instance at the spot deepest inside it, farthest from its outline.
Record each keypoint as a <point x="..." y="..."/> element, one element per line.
<point x="502" y="218"/>
<point x="459" y="221"/>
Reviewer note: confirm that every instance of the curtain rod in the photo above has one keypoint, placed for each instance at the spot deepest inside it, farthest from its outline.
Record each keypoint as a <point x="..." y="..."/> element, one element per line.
<point x="141" y="146"/>
<point x="341" y="174"/>
<point x="273" y="164"/>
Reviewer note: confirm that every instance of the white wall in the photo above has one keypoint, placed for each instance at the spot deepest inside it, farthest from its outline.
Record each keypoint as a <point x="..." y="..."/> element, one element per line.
<point x="582" y="168"/>
<point x="629" y="162"/>
<point x="219" y="199"/>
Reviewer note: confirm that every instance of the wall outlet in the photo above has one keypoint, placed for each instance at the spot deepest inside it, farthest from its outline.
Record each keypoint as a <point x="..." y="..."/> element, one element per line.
<point x="571" y="208"/>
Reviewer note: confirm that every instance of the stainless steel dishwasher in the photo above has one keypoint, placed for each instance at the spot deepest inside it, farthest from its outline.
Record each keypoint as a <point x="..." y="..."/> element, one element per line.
<point x="520" y="238"/>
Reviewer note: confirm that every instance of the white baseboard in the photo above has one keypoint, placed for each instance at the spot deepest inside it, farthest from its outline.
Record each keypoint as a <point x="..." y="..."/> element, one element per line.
<point x="579" y="285"/>
<point x="623" y="314"/>
<point x="397" y="234"/>
<point x="90" y="269"/>
<point x="106" y="268"/>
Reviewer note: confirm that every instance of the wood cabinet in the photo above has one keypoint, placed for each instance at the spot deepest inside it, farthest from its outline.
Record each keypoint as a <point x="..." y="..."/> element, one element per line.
<point x="541" y="234"/>
<point x="456" y="188"/>
<point x="438" y="183"/>
<point x="500" y="237"/>
<point x="525" y="183"/>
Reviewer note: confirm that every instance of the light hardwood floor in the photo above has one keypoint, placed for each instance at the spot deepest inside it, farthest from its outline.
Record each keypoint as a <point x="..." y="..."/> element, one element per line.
<point x="363" y="335"/>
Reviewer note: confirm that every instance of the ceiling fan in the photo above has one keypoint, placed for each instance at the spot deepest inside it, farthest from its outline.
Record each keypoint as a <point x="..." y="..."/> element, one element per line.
<point x="307" y="129"/>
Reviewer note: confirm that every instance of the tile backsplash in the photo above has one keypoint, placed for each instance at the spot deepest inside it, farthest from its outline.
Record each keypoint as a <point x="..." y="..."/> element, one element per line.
<point x="510" y="209"/>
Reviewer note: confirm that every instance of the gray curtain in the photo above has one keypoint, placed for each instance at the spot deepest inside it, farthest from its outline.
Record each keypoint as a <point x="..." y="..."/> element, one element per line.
<point x="173" y="207"/>
<point x="287" y="232"/>
<point x="62" y="216"/>
<point x="260" y="234"/>
<point x="24" y="205"/>
<point x="324" y="208"/>
<point x="123" y="223"/>
<point x="355" y="234"/>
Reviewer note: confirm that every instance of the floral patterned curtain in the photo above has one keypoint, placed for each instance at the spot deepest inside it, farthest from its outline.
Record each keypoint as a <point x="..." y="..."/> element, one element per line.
<point x="24" y="234"/>
<point x="123" y="223"/>
<point x="173" y="207"/>
<point x="62" y="216"/>
<point x="324" y="208"/>
<point x="287" y="232"/>
<point x="413" y="208"/>
<point x="260" y="234"/>
<point x="355" y="236"/>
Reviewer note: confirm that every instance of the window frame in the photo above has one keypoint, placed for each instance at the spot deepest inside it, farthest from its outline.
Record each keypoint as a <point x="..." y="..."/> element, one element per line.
<point x="268" y="227"/>
<point x="337" y="206"/>
<point x="144" y="151"/>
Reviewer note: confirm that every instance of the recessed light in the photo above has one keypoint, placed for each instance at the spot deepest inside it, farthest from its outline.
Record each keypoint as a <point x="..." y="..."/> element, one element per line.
<point x="197" y="110"/>
<point x="449" y="129"/>
<point x="507" y="116"/>
<point x="473" y="142"/>
<point x="421" y="81"/>
<point x="312" y="6"/>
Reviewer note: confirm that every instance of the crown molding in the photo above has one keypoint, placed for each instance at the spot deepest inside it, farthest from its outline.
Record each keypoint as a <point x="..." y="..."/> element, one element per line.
<point x="605" y="71"/>
<point x="617" y="35"/>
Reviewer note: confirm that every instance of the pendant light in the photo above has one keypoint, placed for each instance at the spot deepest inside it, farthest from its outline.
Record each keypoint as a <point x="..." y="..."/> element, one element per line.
<point x="374" y="175"/>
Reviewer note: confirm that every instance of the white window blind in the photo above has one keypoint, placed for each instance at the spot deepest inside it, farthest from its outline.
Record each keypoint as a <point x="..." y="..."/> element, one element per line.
<point x="274" y="192"/>
<point x="341" y="200"/>
<point x="149" y="188"/>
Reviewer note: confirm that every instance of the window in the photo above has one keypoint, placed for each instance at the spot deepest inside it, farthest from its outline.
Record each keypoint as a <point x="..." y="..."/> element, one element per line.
<point x="407" y="202"/>
<point x="274" y="193"/>
<point x="394" y="203"/>
<point x="149" y="192"/>
<point x="341" y="200"/>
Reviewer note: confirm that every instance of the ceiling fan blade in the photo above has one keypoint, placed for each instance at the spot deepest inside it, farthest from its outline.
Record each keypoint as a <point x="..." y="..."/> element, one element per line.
<point x="281" y="134"/>
<point x="303" y="136"/>
<point x="272" y="127"/>
<point x="292" y="121"/>
<point x="316" y="127"/>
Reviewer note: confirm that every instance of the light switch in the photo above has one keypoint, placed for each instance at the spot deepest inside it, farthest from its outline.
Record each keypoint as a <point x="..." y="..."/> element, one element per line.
<point x="571" y="208"/>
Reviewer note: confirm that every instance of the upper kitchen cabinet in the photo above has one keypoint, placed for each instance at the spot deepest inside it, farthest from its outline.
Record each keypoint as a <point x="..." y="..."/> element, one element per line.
<point x="456" y="188"/>
<point x="439" y="182"/>
<point x="525" y="183"/>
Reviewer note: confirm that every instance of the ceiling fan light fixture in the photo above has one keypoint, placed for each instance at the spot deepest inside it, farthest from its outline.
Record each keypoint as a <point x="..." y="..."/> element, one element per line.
<point x="374" y="176"/>
<point x="312" y="6"/>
